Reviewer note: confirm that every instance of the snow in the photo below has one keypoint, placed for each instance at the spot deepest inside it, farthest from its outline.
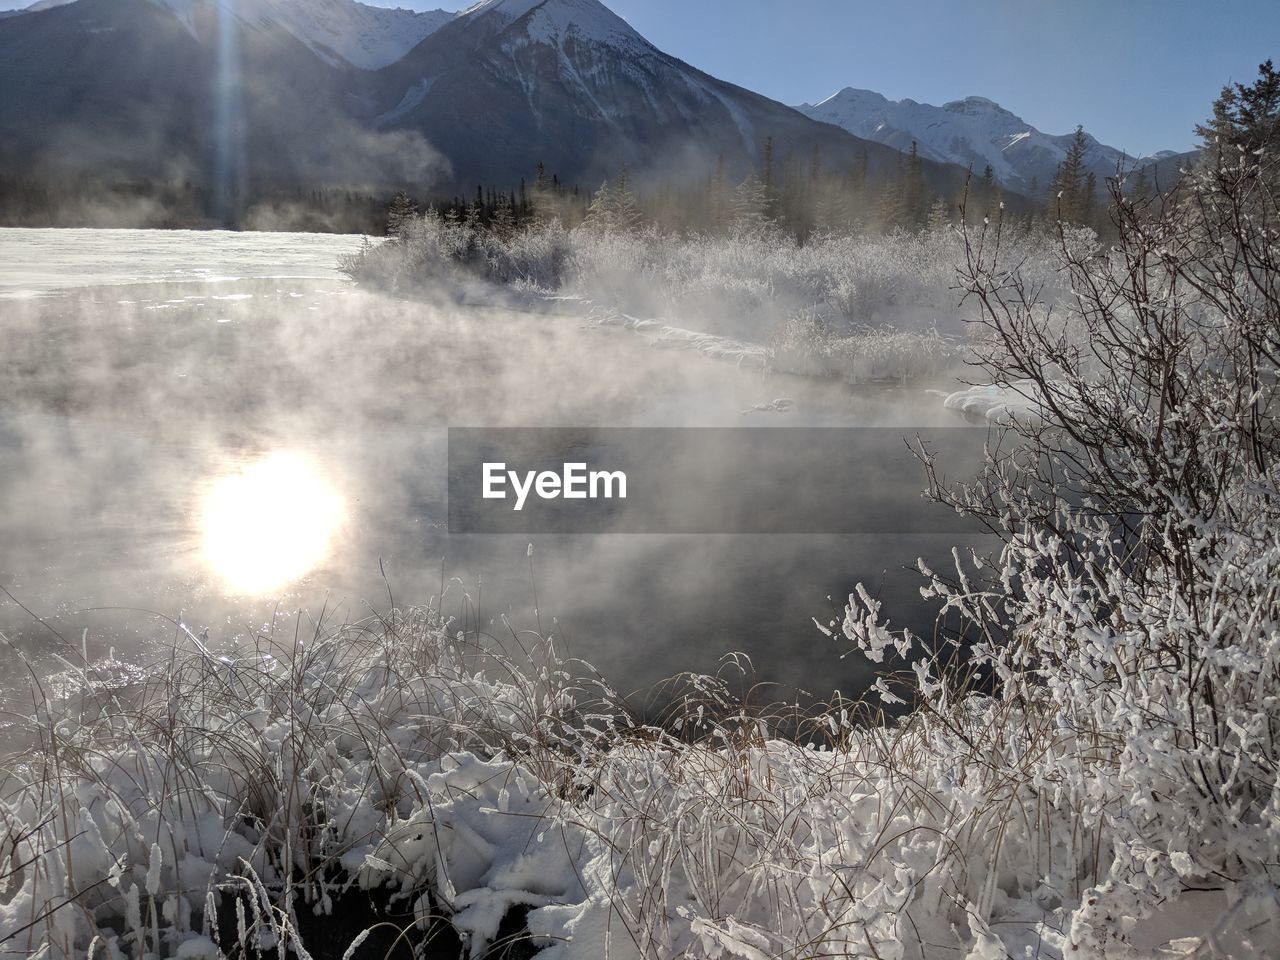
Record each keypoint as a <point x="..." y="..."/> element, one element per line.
<point x="366" y="36"/>
<point x="663" y="336"/>
<point x="507" y="9"/>
<point x="553" y="20"/>
<point x="740" y="117"/>
<point x="412" y="97"/>
<point x="994" y="403"/>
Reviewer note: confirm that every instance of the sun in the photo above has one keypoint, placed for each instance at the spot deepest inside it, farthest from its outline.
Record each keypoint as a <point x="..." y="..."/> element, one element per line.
<point x="269" y="523"/>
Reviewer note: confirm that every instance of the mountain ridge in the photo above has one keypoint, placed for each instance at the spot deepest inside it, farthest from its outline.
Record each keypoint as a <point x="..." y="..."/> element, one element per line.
<point x="972" y="131"/>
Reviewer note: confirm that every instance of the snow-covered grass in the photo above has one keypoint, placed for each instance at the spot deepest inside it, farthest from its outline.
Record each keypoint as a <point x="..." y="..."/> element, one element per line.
<point x="218" y="807"/>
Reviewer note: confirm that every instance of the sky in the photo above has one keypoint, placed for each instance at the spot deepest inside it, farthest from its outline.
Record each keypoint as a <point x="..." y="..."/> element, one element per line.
<point x="1138" y="74"/>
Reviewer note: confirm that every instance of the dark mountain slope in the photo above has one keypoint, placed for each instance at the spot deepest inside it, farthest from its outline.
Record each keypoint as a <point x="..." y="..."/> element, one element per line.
<point x="126" y="90"/>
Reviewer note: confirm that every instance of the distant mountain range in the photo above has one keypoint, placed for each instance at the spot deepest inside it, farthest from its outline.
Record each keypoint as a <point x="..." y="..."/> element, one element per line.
<point x="973" y="132"/>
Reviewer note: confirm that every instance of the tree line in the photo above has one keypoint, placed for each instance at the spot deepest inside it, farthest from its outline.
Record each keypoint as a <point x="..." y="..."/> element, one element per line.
<point x="801" y="196"/>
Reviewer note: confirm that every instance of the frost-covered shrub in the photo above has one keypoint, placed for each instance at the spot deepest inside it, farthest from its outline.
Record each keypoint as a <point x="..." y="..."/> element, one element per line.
<point x="1131" y="622"/>
<point x="428" y="249"/>
<point x="532" y="259"/>
<point x="807" y="344"/>
<point x="749" y="282"/>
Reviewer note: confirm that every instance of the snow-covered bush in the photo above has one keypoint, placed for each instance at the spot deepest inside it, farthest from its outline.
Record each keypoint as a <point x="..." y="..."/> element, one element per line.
<point x="807" y="344"/>
<point x="398" y="771"/>
<point x="428" y="249"/>
<point x="1131" y="623"/>
<point x="748" y="283"/>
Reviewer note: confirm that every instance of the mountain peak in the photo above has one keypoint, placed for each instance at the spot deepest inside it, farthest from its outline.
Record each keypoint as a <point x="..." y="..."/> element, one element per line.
<point x="850" y="95"/>
<point x="975" y="102"/>
<point x="982" y="106"/>
<point x="552" y="21"/>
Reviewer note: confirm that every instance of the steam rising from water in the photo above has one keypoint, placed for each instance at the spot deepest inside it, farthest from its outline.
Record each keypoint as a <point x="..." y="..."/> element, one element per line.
<point x="309" y="419"/>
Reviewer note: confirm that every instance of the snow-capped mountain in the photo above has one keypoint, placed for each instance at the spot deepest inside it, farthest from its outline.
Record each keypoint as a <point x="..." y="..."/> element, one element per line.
<point x="973" y="132"/>
<point x="337" y="30"/>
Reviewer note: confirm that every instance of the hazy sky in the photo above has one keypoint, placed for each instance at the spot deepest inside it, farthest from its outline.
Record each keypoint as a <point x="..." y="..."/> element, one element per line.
<point x="1137" y="73"/>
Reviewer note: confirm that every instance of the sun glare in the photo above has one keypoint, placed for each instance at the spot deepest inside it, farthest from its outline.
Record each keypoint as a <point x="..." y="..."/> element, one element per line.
<point x="269" y="523"/>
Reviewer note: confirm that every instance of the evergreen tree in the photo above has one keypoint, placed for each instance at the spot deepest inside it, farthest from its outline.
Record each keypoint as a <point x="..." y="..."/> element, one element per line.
<point x="891" y="205"/>
<point x="914" y="197"/>
<point x="626" y="211"/>
<point x="750" y="205"/>
<point x="720" y="207"/>
<point x="601" y="211"/>
<point x="1140" y="189"/>
<point x="1089" y="199"/>
<point x="939" y="216"/>
<point x="1245" y="118"/>
<point x="769" y="181"/>
<point x="987" y="195"/>
<point x="988" y="181"/>
<point x="503" y="221"/>
<point x="1072" y="192"/>
<point x="400" y="214"/>
<point x="543" y="200"/>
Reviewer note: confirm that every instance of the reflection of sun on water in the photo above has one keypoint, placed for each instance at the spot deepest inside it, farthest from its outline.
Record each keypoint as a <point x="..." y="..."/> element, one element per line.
<point x="269" y="524"/>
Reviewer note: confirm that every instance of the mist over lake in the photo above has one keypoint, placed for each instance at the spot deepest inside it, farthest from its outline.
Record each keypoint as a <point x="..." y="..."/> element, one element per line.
<point x="146" y="368"/>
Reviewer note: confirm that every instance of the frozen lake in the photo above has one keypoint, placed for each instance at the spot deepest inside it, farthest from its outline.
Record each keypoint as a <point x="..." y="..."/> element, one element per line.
<point x="217" y="430"/>
<point x="40" y="261"/>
